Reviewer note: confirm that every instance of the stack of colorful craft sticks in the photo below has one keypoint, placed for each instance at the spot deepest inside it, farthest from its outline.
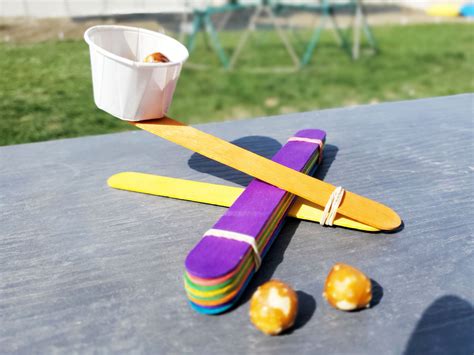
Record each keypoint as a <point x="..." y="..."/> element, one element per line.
<point x="221" y="265"/>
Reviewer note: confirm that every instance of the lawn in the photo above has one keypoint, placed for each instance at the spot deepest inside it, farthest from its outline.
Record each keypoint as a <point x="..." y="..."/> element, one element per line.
<point x="45" y="88"/>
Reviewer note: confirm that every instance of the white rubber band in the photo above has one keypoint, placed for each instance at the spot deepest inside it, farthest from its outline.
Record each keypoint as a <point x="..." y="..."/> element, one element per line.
<point x="332" y="205"/>
<point x="310" y="140"/>
<point x="220" y="233"/>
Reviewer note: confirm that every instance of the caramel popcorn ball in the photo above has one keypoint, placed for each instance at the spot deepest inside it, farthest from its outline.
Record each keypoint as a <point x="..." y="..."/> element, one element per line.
<point x="273" y="307"/>
<point x="156" y="58"/>
<point x="347" y="288"/>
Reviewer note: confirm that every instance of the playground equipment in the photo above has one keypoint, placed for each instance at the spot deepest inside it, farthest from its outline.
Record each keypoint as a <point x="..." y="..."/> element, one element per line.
<point x="202" y="21"/>
<point x="327" y="10"/>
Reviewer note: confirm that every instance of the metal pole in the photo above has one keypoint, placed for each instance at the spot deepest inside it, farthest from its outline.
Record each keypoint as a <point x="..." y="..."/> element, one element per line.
<point x="356" y="31"/>
<point x="283" y="37"/>
<point x="245" y="36"/>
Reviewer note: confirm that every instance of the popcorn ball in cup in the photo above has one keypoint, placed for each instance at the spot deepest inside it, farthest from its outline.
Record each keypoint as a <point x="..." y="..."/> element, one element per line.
<point x="124" y="84"/>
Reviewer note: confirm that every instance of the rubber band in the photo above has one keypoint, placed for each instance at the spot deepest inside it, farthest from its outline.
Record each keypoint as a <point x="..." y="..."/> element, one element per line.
<point x="330" y="211"/>
<point x="310" y="140"/>
<point x="240" y="237"/>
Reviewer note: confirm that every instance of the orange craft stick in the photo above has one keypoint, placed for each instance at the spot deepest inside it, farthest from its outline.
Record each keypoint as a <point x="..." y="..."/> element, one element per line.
<point x="352" y="206"/>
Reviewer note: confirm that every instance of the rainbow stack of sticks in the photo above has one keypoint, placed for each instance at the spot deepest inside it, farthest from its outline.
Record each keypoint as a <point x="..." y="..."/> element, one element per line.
<point x="220" y="266"/>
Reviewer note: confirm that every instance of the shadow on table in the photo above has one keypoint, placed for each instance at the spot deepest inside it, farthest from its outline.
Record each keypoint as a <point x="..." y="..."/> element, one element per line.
<point x="377" y="295"/>
<point x="306" y="308"/>
<point x="446" y="327"/>
<point x="264" y="146"/>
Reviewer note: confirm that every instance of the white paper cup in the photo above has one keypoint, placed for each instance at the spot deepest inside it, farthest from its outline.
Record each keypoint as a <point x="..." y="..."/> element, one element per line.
<point x="124" y="85"/>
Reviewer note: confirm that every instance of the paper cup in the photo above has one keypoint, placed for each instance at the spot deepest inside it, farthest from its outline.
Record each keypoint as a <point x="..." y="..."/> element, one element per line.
<point x="123" y="84"/>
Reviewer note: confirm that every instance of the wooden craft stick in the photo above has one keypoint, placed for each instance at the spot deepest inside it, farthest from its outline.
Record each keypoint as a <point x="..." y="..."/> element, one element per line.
<point x="353" y="206"/>
<point x="214" y="194"/>
<point x="253" y="218"/>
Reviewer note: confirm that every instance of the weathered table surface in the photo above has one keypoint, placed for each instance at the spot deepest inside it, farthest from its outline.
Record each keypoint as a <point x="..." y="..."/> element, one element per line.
<point x="84" y="267"/>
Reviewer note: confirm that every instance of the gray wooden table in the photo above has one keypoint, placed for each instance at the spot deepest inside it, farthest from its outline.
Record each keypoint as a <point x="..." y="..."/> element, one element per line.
<point x="87" y="268"/>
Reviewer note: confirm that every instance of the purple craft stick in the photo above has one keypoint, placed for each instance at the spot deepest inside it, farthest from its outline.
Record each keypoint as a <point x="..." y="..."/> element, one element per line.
<point x="214" y="257"/>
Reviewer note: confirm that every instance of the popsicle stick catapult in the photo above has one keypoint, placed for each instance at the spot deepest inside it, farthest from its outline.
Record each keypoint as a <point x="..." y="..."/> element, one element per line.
<point x="353" y="206"/>
<point x="116" y="69"/>
<point x="222" y="263"/>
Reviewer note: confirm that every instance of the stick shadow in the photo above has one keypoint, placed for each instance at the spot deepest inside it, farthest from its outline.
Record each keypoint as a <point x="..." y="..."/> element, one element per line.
<point x="263" y="146"/>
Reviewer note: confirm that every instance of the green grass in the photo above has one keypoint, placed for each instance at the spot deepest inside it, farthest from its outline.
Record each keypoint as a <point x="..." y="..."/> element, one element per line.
<point x="45" y="88"/>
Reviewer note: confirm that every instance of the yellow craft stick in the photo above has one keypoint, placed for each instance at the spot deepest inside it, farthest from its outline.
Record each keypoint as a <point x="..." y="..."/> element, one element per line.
<point x="353" y="206"/>
<point x="214" y="194"/>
